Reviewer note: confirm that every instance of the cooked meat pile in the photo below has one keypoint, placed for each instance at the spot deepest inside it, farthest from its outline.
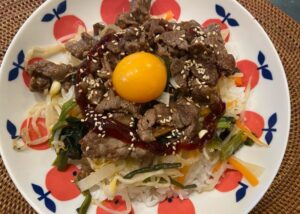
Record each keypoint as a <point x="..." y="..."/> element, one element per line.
<point x="195" y="57"/>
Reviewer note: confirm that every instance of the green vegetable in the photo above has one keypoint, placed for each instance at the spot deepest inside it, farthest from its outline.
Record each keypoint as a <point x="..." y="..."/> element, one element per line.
<point x="152" y="169"/>
<point x="225" y="122"/>
<point x="61" y="161"/>
<point x="190" y="186"/>
<point x="86" y="203"/>
<point x="249" y="142"/>
<point x="66" y="108"/>
<point x="232" y="145"/>
<point x="71" y="134"/>
<point x="214" y="144"/>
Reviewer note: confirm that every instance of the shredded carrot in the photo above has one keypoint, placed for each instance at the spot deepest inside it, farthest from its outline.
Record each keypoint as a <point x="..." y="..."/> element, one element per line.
<point x="184" y="170"/>
<point x="75" y="112"/>
<point x="250" y="177"/>
<point x="248" y="133"/>
<point x="238" y="81"/>
<point x="189" y="154"/>
<point x="231" y="104"/>
<point x="216" y="167"/>
<point x="169" y="15"/>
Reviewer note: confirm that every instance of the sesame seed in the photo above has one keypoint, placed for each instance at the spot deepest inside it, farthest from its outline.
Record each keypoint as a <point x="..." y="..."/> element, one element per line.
<point x="202" y="133"/>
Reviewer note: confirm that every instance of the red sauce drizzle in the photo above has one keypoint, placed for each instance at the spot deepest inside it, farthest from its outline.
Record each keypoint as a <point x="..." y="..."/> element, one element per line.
<point x="122" y="132"/>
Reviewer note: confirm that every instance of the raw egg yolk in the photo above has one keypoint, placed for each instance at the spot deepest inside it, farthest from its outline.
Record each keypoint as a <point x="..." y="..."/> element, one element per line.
<point x="140" y="77"/>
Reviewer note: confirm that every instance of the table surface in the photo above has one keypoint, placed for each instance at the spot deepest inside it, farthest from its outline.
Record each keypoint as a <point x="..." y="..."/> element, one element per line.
<point x="291" y="7"/>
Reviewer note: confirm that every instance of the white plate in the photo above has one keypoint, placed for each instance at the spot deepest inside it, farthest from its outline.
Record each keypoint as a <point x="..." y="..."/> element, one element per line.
<point x="268" y="110"/>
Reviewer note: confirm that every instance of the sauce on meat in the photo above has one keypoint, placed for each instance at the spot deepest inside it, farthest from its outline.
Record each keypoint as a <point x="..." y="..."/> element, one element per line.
<point x="115" y="129"/>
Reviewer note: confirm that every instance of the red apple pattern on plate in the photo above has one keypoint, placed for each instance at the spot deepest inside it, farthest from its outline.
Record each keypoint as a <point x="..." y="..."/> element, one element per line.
<point x="176" y="205"/>
<point x="251" y="70"/>
<point x="65" y="27"/>
<point x="110" y="10"/>
<point x="162" y="6"/>
<point x="59" y="185"/>
<point x="18" y="66"/>
<point x="117" y="204"/>
<point x="41" y="124"/>
<point x="254" y="122"/>
<point x="224" y="22"/>
<point x="230" y="180"/>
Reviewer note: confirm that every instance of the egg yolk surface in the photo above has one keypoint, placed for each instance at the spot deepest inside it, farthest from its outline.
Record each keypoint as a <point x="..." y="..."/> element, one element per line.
<point x="140" y="77"/>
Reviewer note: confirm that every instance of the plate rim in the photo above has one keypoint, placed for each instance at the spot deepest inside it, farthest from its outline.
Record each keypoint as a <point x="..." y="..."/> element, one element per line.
<point x="251" y="204"/>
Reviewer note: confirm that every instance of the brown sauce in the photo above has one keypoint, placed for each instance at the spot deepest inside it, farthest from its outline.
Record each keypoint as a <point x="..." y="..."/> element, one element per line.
<point x="122" y="132"/>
